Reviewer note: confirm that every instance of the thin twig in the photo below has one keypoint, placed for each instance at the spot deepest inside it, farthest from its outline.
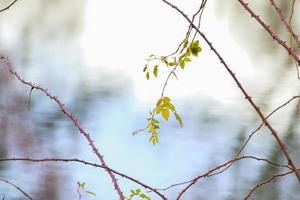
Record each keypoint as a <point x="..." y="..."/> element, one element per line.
<point x="219" y="167"/>
<point x="265" y="182"/>
<point x="17" y="187"/>
<point x="70" y="116"/>
<point x="241" y="87"/>
<point x="26" y="159"/>
<point x="285" y="22"/>
<point x="290" y="50"/>
<point x="10" y="5"/>
<point x="253" y="132"/>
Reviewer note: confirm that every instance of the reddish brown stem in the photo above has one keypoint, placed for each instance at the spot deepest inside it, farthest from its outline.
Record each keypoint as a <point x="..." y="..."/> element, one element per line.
<point x="245" y="93"/>
<point x="86" y="163"/>
<point x="290" y="50"/>
<point x="71" y="117"/>
<point x="286" y="23"/>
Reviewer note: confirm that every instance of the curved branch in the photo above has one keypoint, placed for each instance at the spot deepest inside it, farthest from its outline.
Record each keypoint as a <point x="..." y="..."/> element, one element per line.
<point x="17" y="187"/>
<point x="241" y="87"/>
<point x="290" y="50"/>
<point x="265" y="182"/>
<point x="70" y="116"/>
<point x="86" y="163"/>
<point x="7" y="7"/>
<point x="285" y="22"/>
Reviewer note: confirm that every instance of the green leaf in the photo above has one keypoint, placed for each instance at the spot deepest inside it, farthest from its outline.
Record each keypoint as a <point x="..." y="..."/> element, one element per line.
<point x="164" y="59"/>
<point x="187" y="59"/>
<point x="159" y="102"/>
<point x="81" y="184"/>
<point x="178" y="118"/>
<point x="138" y="191"/>
<point x="90" y="192"/>
<point x="166" y="99"/>
<point x="165" y="114"/>
<point x="172" y="64"/>
<point x="182" y="64"/>
<point x="155" y="70"/>
<point x="174" y="74"/>
<point x="170" y="106"/>
<point x="145" y="68"/>
<point x="185" y="43"/>
<point x="159" y="109"/>
<point x="147" y="75"/>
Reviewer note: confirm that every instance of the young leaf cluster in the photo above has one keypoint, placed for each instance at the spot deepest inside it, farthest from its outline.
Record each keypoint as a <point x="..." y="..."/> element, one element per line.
<point x="81" y="185"/>
<point x="163" y="107"/>
<point x="153" y="125"/>
<point x="138" y="193"/>
<point x="192" y="50"/>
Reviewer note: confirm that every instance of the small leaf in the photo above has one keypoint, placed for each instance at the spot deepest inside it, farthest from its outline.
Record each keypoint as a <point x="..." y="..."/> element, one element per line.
<point x="172" y="64"/>
<point x="174" y="74"/>
<point x="182" y="64"/>
<point x="170" y="106"/>
<point x="178" y="118"/>
<point x="164" y="59"/>
<point x="166" y="99"/>
<point x="155" y="70"/>
<point x="159" y="102"/>
<point x="187" y="59"/>
<point x="147" y="75"/>
<point x="145" y="68"/>
<point x="165" y="114"/>
<point x="159" y="109"/>
<point x="138" y="191"/>
<point x="81" y="184"/>
<point x="90" y="192"/>
<point x="152" y="56"/>
<point x="185" y="43"/>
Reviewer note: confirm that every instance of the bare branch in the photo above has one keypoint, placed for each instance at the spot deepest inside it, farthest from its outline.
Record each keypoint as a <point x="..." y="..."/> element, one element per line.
<point x="17" y="187"/>
<point x="285" y="22"/>
<point x="265" y="182"/>
<point x="10" y="5"/>
<point x="241" y="87"/>
<point x="290" y="50"/>
<point x="26" y="159"/>
<point x="70" y="116"/>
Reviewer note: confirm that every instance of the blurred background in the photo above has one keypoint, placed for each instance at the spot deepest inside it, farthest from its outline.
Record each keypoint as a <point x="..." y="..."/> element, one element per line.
<point x="91" y="54"/>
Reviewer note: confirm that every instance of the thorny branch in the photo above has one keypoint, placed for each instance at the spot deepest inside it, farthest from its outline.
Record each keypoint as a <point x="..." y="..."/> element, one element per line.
<point x="26" y="159"/>
<point x="219" y="167"/>
<point x="265" y="182"/>
<point x="70" y="116"/>
<point x="286" y="23"/>
<point x="290" y="50"/>
<point x="241" y="87"/>
<point x="17" y="187"/>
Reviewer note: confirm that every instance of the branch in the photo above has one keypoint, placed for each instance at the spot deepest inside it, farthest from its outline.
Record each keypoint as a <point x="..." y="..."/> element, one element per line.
<point x="26" y="159"/>
<point x="286" y="23"/>
<point x="241" y="87"/>
<point x="18" y="188"/>
<point x="10" y="5"/>
<point x="70" y="116"/>
<point x="265" y="182"/>
<point x="257" y="129"/>
<point x="219" y="167"/>
<point x="272" y="34"/>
